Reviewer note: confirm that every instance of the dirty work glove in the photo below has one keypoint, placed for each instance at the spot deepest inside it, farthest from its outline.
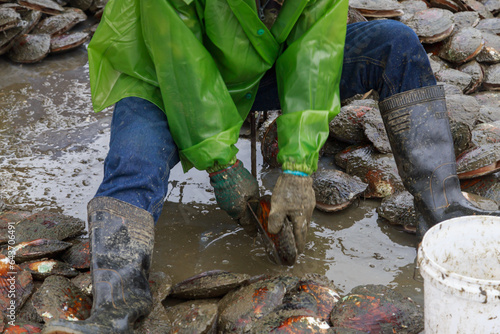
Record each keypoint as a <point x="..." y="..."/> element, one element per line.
<point x="293" y="199"/>
<point x="233" y="187"/>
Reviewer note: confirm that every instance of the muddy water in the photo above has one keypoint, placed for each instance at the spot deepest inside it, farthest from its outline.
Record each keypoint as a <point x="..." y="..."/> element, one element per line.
<point x="51" y="156"/>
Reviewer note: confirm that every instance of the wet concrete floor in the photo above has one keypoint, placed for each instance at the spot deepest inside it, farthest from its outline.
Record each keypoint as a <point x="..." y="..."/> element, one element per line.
<point x="51" y="157"/>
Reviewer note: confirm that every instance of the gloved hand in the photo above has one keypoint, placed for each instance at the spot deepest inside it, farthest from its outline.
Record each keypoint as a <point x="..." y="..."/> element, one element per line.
<point x="233" y="187"/>
<point x="293" y="198"/>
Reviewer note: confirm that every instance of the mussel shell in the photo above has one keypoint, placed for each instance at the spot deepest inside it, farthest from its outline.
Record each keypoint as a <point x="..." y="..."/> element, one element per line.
<point x="336" y="190"/>
<point x="463" y="109"/>
<point x="23" y="327"/>
<point x="78" y="255"/>
<point x="486" y="133"/>
<point x="377" y="309"/>
<point x="375" y="131"/>
<point x="325" y="296"/>
<point x="209" y="284"/>
<point x="347" y="126"/>
<point x="462" y="137"/>
<point x="44" y="268"/>
<point x="454" y="77"/>
<point x="38" y="248"/>
<point x="474" y="69"/>
<point x="486" y="186"/>
<point x="239" y="309"/>
<point x="479" y="161"/>
<point x="58" y="298"/>
<point x="463" y="45"/>
<point x="377" y="8"/>
<point x="48" y="225"/>
<point x="11" y="217"/>
<point x="68" y="41"/>
<point x="30" y="48"/>
<point x="491" y="49"/>
<point x="58" y="24"/>
<point x="45" y="6"/>
<point x="432" y="25"/>
<point x="491" y="25"/>
<point x="398" y="209"/>
<point x="193" y="316"/>
<point x="465" y="19"/>
<point x="379" y="171"/>
<point x="83" y="282"/>
<point x="291" y="322"/>
<point x="13" y="279"/>
<point x="492" y="77"/>
<point x="9" y="18"/>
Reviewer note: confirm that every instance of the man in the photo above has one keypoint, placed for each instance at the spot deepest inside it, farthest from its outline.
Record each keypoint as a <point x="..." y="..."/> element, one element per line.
<point x="185" y="73"/>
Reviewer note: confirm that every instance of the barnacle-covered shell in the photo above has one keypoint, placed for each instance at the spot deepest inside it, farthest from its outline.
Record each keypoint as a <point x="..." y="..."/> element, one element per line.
<point x="398" y="209"/>
<point x="193" y="316"/>
<point x="45" y="268"/>
<point x="9" y="18"/>
<point x="463" y="45"/>
<point x="78" y="256"/>
<point x="209" y="284"/>
<point x="58" y="298"/>
<point x="378" y="309"/>
<point x="377" y="8"/>
<point x="432" y="25"/>
<point x="38" y="248"/>
<point x="491" y="50"/>
<point x="492" y="77"/>
<point x="336" y="190"/>
<point x="45" y="6"/>
<point x="48" y="225"/>
<point x="30" y="48"/>
<point x="68" y="41"/>
<point x="13" y="279"/>
<point x="479" y="161"/>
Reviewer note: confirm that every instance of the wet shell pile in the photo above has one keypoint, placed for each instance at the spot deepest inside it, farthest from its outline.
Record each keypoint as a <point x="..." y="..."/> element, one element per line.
<point x="32" y="29"/>
<point x="44" y="270"/>
<point x="224" y="302"/>
<point x="463" y="45"/>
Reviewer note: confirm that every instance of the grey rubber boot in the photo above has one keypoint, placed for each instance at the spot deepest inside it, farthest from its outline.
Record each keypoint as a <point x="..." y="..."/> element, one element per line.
<point x="418" y="127"/>
<point x="121" y="239"/>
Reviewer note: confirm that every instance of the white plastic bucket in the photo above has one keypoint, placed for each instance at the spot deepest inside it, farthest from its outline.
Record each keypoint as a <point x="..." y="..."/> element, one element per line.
<point x="459" y="260"/>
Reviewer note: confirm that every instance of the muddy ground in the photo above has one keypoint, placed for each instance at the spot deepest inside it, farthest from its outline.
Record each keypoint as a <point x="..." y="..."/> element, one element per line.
<point x="51" y="157"/>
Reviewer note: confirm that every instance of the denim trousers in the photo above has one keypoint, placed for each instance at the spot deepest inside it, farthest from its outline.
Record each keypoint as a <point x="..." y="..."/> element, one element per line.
<point x="384" y="55"/>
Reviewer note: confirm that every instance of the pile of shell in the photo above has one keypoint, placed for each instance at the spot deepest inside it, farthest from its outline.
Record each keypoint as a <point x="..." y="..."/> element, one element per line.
<point x="44" y="275"/>
<point x="32" y="29"/>
<point x="461" y="37"/>
<point x="44" y="270"/>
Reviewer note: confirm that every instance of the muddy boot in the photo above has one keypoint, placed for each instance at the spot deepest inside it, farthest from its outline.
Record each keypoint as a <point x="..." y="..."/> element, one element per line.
<point x="417" y="124"/>
<point x="122" y="237"/>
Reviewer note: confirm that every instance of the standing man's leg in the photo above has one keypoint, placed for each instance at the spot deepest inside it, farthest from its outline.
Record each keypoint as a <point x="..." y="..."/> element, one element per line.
<point x="121" y="218"/>
<point x="387" y="56"/>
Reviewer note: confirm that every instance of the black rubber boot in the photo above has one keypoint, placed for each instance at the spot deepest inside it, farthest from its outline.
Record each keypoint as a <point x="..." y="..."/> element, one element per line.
<point x="121" y="238"/>
<point x="418" y="127"/>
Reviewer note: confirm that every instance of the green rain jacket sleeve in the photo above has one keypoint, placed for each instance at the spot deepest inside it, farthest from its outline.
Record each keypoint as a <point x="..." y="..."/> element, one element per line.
<point x="308" y="75"/>
<point x="193" y="59"/>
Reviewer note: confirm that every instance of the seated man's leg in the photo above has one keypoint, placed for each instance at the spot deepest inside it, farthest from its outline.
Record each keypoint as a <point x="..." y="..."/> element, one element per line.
<point x="121" y="219"/>
<point x="387" y="56"/>
<point x="141" y="154"/>
<point x="384" y="55"/>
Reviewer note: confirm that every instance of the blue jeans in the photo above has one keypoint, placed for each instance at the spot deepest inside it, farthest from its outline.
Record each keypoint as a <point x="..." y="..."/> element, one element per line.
<point x="382" y="55"/>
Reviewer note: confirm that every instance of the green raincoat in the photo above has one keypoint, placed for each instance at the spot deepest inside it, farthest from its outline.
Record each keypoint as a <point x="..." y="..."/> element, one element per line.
<point x="201" y="61"/>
